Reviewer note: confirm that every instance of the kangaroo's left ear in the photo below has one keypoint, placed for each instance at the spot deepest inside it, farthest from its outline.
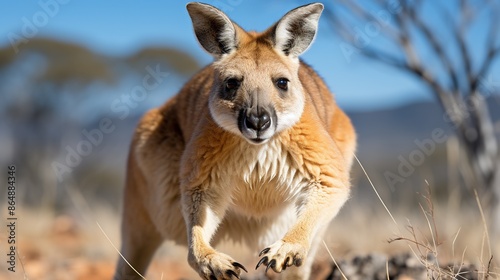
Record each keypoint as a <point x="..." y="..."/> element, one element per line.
<point x="296" y="30"/>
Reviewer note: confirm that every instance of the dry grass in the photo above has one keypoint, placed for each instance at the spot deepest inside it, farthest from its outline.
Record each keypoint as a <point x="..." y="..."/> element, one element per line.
<point x="442" y="239"/>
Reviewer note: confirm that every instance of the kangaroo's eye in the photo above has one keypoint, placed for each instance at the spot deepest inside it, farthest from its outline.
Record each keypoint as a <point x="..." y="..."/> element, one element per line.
<point x="229" y="89"/>
<point x="232" y="84"/>
<point x="282" y="83"/>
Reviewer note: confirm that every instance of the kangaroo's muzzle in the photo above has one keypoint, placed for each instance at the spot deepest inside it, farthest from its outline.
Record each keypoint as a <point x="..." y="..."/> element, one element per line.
<point x="257" y="124"/>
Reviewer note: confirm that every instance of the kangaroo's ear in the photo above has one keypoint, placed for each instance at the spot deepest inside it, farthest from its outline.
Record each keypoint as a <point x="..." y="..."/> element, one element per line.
<point x="214" y="30"/>
<point x="296" y="30"/>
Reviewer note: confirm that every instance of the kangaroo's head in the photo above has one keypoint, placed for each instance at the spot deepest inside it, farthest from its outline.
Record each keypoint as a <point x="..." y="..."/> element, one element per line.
<point x="256" y="91"/>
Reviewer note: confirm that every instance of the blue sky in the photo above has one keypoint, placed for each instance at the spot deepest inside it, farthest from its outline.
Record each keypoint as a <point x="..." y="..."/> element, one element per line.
<point x="123" y="27"/>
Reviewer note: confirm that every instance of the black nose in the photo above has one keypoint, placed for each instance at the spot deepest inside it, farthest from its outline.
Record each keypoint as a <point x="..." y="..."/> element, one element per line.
<point x="258" y="120"/>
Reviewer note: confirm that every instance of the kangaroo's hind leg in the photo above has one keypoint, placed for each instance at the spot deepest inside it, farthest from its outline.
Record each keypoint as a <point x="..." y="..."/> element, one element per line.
<point x="140" y="239"/>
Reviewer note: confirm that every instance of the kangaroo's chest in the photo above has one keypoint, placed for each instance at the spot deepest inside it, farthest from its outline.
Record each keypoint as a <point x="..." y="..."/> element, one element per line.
<point x="264" y="179"/>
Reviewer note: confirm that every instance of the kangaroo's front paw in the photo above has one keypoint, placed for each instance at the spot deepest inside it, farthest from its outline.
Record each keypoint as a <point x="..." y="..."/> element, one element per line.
<point x="281" y="255"/>
<point x="216" y="266"/>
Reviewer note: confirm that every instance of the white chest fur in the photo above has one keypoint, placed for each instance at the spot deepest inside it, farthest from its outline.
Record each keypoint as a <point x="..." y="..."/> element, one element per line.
<point x="264" y="179"/>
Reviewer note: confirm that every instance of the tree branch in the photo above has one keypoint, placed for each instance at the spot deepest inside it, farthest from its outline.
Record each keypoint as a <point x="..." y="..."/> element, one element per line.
<point x="492" y="51"/>
<point x="364" y="16"/>
<point x="440" y="52"/>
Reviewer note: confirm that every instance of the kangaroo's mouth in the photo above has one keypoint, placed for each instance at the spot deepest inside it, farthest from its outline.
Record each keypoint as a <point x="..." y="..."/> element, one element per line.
<point x="258" y="140"/>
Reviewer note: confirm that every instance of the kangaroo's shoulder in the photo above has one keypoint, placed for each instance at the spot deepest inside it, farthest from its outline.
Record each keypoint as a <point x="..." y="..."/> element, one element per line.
<point x="317" y="93"/>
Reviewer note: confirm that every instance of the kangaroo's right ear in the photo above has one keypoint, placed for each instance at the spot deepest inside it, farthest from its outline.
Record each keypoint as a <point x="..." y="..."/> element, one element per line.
<point x="214" y="30"/>
<point x="295" y="31"/>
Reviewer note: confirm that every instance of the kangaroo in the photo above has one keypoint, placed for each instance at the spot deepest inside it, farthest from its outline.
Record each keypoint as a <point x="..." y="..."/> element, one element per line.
<point x="253" y="148"/>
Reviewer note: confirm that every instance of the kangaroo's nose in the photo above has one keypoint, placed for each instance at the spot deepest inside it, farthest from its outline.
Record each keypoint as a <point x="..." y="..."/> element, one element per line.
<point x="258" y="120"/>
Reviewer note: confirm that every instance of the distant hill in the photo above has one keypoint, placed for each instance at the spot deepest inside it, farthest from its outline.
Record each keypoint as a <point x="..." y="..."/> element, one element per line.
<point x="384" y="133"/>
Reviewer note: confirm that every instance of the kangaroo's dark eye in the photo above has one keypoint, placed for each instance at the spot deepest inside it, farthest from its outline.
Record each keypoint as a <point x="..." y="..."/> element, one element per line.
<point x="232" y="84"/>
<point x="282" y="83"/>
<point x="229" y="89"/>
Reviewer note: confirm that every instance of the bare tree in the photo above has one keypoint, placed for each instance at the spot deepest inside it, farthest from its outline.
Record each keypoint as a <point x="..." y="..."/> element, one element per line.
<point x="453" y="66"/>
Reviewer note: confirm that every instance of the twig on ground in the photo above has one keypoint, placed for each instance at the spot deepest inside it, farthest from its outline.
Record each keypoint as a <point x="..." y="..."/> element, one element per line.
<point x="333" y="259"/>
<point x="118" y="251"/>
